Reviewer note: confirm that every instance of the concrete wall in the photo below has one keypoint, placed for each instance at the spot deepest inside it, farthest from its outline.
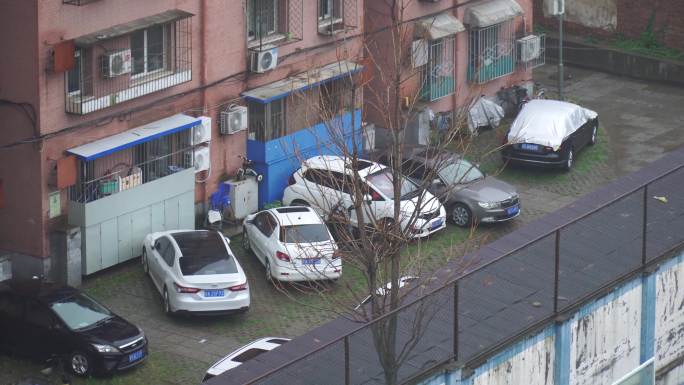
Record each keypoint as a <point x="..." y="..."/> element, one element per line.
<point x="592" y="13"/>
<point x="600" y="342"/>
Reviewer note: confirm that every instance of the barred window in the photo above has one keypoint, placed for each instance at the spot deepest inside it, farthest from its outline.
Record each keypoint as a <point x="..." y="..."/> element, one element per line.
<point x="266" y="121"/>
<point x="491" y="52"/>
<point x="262" y="18"/>
<point x="439" y="72"/>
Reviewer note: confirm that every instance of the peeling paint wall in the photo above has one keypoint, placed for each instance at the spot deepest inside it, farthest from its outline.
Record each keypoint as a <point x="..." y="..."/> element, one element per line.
<point x="669" y="328"/>
<point x="592" y="13"/>
<point x="605" y="341"/>
<point x="531" y="362"/>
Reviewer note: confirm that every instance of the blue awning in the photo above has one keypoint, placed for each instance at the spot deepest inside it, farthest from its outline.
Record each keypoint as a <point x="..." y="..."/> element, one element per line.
<point x="303" y="81"/>
<point x="130" y="138"/>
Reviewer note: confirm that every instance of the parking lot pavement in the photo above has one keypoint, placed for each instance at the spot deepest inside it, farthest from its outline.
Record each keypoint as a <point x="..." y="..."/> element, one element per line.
<point x="639" y="122"/>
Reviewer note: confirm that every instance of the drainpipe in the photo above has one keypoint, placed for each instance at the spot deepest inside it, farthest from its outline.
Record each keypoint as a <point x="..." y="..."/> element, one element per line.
<point x="454" y="97"/>
<point x="203" y="54"/>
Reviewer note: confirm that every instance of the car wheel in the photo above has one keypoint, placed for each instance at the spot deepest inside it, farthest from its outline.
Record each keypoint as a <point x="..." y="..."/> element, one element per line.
<point x="594" y="133"/>
<point x="79" y="364"/>
<point x="245" y="240"/>
<point x="167" y="303"/>
<point x="569" y="159"/>
<point x="146" y="266"/>
<point x="461" y="215"/>
<point x="269" y="274"/>
<point x="299" y="202"/>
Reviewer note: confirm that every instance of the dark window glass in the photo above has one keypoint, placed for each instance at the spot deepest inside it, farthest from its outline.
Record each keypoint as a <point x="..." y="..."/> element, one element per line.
<point x="74" y="76"/>
<point x="169" y="255"/>
<point x="248" y="355"/>
<point x="382" y="180"/>
<point x="155" y="48"/>
<point x="310" y="233"/>
<point x="138" y="51"/>
<point x="80" y="311"/>
<point x="265" y="223"/>
<point x="207" y="265"/>
<point x="161" y="245"/>
<point x="278" y="341"/>
<point x="262" y="18"/>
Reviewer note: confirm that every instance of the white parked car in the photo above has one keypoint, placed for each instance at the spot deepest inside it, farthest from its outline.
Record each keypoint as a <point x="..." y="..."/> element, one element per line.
<point x="381" y="291"/>
<point x="293" y="244"/>
<point x="243" y="355"/>
<point x="195" y="271"/>
<point x="323" y="181"/>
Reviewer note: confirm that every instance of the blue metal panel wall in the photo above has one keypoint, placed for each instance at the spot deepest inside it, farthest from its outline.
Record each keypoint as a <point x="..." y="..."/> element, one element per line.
<point x="277" y="159"/>
<point x="648" y="310"/>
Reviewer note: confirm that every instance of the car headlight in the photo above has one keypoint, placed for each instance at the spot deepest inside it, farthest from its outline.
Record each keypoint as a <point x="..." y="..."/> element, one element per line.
<point x="105" y="348"/>
<point x="489" y="205"/>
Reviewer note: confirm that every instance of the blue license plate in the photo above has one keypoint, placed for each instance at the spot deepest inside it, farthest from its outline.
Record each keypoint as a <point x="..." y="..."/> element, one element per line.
<point x="311" y="261"/>
<point x="512" y="210"/>
<point x="214" y="293"/>
<point x="135" y="356"/>
<point x="436" y="224"/>
<point x="529" y="147"/>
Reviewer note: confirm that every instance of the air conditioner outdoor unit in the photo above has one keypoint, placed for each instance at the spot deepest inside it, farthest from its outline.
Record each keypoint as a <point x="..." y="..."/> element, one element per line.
<point x="529" y="47"/>
<point x="116" y="63"/>
<point x="201" y="133"/>
<point x="233" y="119"/>
<point x="263" y="59"/>
<point x="199" y="159"/>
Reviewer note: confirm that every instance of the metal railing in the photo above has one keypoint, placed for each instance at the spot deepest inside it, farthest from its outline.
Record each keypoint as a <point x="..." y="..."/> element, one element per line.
<point x="474" y="316"/>
<point x="439" y="78"/>
<point x="121" y="176"/>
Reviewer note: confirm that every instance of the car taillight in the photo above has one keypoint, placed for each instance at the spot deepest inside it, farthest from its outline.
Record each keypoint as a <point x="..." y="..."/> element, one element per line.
<point x="282" y="256"/>
<point x="291" y="180"/>
<point x="240" y="287"/>
<point x="183" y="289"/>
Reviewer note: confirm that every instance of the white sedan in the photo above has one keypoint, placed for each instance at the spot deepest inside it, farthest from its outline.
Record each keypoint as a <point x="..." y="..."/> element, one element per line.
<point x="195" y="271"/>
<point x="293" y="244"/>
<point x="244" y="354"/>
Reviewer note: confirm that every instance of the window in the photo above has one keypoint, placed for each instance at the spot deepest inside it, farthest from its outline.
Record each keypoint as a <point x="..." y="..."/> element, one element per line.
<point x="262" y="18"/>
<point x="266" y="121"/>
<point x="148" y="50"/>
<point x="161" y="246"/>
<point x="329" y="9"/>
<point x="248" y="355"/>
<point x="438" y="74"/>
<point x="491" y="52"/>
<point x="309" y="233"/>
<point x="74" y="76"/>
<point x="265" y="223"/>
<point x="169" y="254"/>
<point x="80" y="311"/>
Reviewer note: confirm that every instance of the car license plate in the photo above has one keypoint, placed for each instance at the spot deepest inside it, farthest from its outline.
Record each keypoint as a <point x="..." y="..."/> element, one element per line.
<point x="436" y="224"/>
<point x="512" y="210"/>
<point x="311" y="261"/>
<point x="135" y="356"/>
<point x="529" y="147"/>
<point x="214" y="293"/>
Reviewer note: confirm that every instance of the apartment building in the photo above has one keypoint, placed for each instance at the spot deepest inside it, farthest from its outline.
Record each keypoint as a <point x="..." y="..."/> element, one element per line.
<point x="121" y="118"/>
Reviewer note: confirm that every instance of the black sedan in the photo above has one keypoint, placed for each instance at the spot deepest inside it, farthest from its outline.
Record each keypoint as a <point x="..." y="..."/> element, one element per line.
<point x="42" y="320"/>
<point x="549" y="133"/>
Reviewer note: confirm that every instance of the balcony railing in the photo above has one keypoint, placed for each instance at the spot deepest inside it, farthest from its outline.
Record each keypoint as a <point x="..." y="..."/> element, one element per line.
<point x="113" y="70"/>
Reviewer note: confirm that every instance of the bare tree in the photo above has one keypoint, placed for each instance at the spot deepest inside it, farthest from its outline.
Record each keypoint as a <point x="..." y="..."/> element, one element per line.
<point x="370" y="240"/>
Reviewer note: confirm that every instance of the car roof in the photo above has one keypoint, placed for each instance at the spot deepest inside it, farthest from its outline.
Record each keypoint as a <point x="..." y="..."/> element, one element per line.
<point x="226" y="363"/>
<point x="342" y="165"/>
<point x="198" y="243"/>
<point x="47" y="292"/>
<point x="296" y="215"/>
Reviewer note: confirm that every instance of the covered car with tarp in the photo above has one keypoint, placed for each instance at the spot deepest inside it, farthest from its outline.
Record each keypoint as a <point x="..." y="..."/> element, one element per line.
<point x="550" y="133"/>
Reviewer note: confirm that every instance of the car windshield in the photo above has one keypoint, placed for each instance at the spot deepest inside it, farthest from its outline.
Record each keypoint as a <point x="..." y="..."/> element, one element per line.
<point x="310" y="233"/>
<point x="80" y="311"/>
<point x="460" y="172"/>
<point x="248" y="355"/>
<point x="383" y="181"/>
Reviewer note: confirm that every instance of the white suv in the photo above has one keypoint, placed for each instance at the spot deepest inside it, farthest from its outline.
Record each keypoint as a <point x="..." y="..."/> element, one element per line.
<point x="324" y="182"/>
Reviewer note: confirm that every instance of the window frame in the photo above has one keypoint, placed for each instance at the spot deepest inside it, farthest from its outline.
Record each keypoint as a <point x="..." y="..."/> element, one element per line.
<point x="505" y="39"/>
<point x="441" y="53"/>
<point x="164" y="54"/>
<point x="252" y="21"/>
<point x="268" y="117"/>
<point x="78" y="68"/>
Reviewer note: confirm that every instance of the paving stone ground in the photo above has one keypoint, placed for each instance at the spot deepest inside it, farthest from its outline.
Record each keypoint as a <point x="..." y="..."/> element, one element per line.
<point x="640" y="121"/>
